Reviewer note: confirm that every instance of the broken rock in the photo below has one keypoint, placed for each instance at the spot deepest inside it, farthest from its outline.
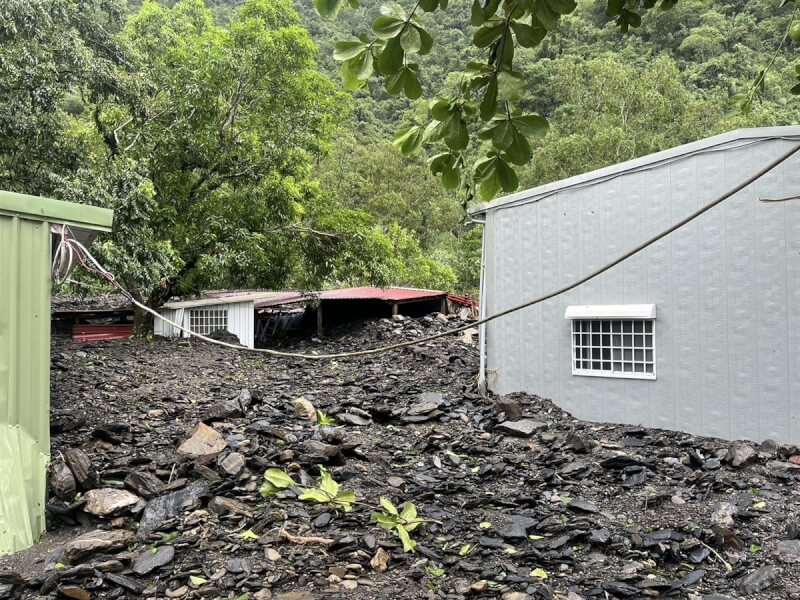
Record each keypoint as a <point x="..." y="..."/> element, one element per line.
<point x="233" y="464"/>
<point x="62" y="481"/>
<point x="169" y="506"/>
<point x="521" y="428"/>
<point x="304" y="409"/>
<point x="758" y="580"/>
<point x="205" y="443"/>
<point x="78" y="462"/>
<point x="740" y="453"/>
<point x="94" y="542"/>
<point x="150" y="561"/>
<point x="106" y="502"/>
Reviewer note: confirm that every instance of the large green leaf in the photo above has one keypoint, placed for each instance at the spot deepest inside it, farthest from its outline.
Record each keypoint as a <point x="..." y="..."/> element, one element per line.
<point x="532" y="125"/>
<point x="356" y="71"/>
<point x="456" y="135"/>
<point x="408" y="140"/>
<point x="528" y="36"/>
<point x="328" y="8"/>
<point x="490" y="32"/>
<point x="519" y="151"/>
<point x="278" y="478"/>
<point x="410" y="39"/>
<point x="408" y="544"/>
<point x="488" y="106"/>
<point x="426" y="42"/>
<point x="348" y="50"/>
<point x="390" y="60"/>
<point x="386" y="26"/>
<point x="405" y="80"/>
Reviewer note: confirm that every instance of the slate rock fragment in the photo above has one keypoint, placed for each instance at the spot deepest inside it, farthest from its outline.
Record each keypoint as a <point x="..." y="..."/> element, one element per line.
<point x="740" y="453"/>
<point x="788" y="550"/>
<point x="94" y="542"/>
<point x="144" y="483"/>
<point x="521" y="428"/>
<point x="758" y="580"/>
<point x="81" y="466"/>
<point x="204" y="444"/>
<point x="62" y="481"/>
<point x="107" y="502"/>
<point x="150" y="561"/>
<point x="169" y="506"/>
<point x="518" y="527"/>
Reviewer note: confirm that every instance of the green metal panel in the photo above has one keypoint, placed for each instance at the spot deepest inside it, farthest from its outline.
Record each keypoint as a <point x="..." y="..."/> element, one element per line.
<point x="55" y="211"/>
<point x="24" y="379"/>
<point x="25" y="251"/>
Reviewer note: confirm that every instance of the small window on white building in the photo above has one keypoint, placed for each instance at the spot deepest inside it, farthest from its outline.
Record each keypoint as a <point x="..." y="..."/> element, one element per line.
<point x="613" y="341"/>
<point x="206" y="320"/>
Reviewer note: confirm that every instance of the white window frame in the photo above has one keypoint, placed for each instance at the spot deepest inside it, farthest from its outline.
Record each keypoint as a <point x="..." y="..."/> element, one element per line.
<point x="208" y="319"/>
<point x="640" y="316"/>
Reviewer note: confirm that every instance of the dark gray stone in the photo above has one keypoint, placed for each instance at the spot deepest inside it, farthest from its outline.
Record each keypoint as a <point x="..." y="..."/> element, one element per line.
<point x="758" y="580"/>
<point x="788" y="550"/>
<point x="169" y="506"/>
<point x="521" y="428"/>
<point x="518" y="527"/>
<point x="149" y="561"/>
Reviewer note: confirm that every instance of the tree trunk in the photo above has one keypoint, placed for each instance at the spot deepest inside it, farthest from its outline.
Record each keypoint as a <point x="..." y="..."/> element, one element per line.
<point x="142" y="323"/>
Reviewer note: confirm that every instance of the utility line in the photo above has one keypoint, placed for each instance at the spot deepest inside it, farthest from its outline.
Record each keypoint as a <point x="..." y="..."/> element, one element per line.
<point x="95" y="267"/>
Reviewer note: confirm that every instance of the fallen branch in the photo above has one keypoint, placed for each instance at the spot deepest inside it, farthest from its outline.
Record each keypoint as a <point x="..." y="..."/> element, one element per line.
<point x="302" y="540"/>
<point x="728" y="566"/>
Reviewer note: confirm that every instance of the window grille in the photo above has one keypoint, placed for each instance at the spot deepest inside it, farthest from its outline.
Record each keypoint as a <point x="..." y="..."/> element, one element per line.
<point x="206" y="320"/>
<point x="614" y="348"/>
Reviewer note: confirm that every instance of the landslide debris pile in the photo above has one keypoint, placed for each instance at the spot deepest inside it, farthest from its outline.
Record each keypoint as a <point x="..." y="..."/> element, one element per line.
<point x="160" y="450"/>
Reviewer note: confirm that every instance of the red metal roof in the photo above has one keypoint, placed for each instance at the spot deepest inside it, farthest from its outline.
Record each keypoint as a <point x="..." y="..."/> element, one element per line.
<point x="394" y="294"/>
<point x="97" y="333"/>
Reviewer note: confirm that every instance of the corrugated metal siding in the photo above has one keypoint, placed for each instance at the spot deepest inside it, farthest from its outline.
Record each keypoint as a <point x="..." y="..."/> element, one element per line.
<point x="727" y="289"/>
<point x="240" y="322"/>
<point x="24" y="379"/>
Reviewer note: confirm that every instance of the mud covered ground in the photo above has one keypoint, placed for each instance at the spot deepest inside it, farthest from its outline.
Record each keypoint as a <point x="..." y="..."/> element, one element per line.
<point x="520" y="499"/>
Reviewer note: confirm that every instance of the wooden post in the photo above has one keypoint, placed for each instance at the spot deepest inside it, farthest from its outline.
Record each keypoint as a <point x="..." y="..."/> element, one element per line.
<point x="444" y="306"/>
<point x="319" y="319"/>
<point x="395" y="309"/>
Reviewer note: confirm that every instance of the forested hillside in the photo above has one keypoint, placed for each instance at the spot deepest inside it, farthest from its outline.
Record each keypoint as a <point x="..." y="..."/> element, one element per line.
<point x="609" y="97"/>
<point x="220" y="133"/>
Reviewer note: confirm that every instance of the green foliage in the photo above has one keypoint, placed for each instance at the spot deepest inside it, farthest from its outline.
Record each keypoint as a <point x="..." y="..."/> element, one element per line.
<point x="323" y="420"/>
<point x="400" y="522"/>
<point x="275" y="480"/>
<point x="506" y="38"/>
<point x="329" y="492"/>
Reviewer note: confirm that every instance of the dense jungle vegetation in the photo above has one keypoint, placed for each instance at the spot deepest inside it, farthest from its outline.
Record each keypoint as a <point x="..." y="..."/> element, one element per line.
<point x="221" y="135"/>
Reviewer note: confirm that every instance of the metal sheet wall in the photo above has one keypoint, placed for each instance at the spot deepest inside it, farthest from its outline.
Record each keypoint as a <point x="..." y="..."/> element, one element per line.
<point x="727" y="288"/>
<point x="24" y="379"/>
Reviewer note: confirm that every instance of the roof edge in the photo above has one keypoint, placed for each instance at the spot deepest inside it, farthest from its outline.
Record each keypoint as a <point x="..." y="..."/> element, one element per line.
<point x="39" y="208"/>
<point x="623" y="168"/>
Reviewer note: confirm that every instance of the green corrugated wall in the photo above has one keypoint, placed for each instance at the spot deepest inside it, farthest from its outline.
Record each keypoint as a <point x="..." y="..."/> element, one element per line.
<point x="24" y="379"/>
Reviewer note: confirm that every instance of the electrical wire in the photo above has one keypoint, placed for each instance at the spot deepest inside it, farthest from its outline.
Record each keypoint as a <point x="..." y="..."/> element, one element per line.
<point x="84" y="255"/>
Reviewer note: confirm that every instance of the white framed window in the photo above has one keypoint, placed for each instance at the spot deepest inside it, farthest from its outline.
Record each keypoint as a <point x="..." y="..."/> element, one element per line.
<point x="613" y="341"/>
<point x="206" y="320"/>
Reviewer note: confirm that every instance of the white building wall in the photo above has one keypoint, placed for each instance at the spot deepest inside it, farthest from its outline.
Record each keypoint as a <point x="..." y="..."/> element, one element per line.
<point x="240" y="320"/>
<point x="727" y="290"/>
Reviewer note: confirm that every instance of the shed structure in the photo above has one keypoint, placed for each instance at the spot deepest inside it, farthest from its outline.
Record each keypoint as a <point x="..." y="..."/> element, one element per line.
<point x="700" y="332"/>
<point x="25" y="262"/>
<point x="233" y="313"/>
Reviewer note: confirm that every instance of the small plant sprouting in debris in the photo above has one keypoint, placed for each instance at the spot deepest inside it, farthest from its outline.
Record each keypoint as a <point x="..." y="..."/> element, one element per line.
<point x="324" y="420"/>
<point x="249" y="536"/>
<point x="328" y="493"/>
<point x="401" y="522"/>
<point x="275" y="480"/>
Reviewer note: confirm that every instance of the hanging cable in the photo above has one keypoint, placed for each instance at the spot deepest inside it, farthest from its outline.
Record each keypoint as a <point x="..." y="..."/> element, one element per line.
<point x="85" y="256"/>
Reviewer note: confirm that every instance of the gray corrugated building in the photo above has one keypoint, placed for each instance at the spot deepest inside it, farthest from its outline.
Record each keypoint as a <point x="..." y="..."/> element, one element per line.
<point x="699" y="332"/>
